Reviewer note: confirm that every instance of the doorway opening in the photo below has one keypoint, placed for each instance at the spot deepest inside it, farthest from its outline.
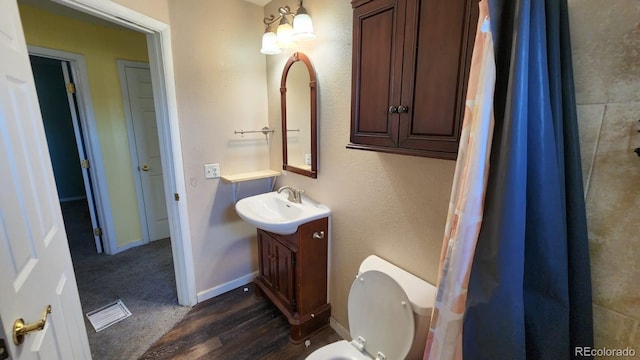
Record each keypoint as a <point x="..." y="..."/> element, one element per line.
<point x="58" y="105"/>
<point x="171" y="255"/>
<point x="137" y="97"/>
<point x="99" y="276"/>
<point x="158" y="38"/>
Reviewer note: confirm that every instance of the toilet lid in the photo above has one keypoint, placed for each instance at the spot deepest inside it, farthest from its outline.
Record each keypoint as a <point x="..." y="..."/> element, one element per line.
<point x="380" y="312"/>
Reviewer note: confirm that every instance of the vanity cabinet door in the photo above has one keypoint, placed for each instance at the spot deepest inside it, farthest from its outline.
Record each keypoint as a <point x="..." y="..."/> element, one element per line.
<point x="293" y="275"/>
<point x="411" y="62"/>
<point x="284" y="259"/>
<point x="266" y="259"/>
<point x="276" y="268"/>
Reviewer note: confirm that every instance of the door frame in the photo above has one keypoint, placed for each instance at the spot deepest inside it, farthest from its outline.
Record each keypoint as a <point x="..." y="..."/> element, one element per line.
<point x="163" y="83"/>
<point x="133" y="150"/>
<point x="89" y="135"/>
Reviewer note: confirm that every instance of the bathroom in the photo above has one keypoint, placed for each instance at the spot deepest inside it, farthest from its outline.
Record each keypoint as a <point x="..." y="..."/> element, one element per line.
<point x="391" y="205"/>
<point x="408" y="195"/>
<point x="395" y="205"/>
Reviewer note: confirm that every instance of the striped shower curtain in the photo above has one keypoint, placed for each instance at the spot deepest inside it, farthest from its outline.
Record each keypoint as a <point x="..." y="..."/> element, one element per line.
<point x="467" y="199"/>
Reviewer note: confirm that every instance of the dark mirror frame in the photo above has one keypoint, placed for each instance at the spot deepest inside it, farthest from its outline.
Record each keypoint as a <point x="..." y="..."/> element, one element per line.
<point x="313" y="173"/>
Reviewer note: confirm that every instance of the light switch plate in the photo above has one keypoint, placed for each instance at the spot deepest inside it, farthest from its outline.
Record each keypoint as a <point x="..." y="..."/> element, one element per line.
<point x="307" y="159"/>
<point x="211" y="171"/>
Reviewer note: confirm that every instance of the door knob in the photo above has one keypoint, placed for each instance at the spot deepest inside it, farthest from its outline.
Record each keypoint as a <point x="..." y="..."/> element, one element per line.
<point x="318" y="235"/>
<point x="20" y="329"/>
<point x="144" y="168"/>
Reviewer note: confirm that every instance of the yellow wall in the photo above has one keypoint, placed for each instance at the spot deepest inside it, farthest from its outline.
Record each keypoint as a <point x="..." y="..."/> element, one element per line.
<point x="101" y="46"/>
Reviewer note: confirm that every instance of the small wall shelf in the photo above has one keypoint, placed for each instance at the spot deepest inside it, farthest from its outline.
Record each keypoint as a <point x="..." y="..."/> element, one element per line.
<point x="235" y="179"/>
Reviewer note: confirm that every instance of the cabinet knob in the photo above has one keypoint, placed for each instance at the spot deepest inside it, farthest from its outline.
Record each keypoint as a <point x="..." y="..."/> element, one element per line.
<point x="403" y="109"/>
<point x="318" y="235"/>
<point x="393" y="109"/>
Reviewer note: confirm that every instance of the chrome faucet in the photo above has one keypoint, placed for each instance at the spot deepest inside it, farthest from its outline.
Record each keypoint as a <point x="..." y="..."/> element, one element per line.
<point x="295" y="195"/>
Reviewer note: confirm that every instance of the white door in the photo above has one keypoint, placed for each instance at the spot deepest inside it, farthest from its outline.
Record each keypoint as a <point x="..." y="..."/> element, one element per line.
<point x="138" y="99"/>
<point x="34" y="256"/>
<point x="86" y="176"/>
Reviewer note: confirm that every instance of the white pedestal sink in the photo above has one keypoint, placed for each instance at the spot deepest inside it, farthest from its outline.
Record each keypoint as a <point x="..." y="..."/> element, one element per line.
<point x="274" y="213"/>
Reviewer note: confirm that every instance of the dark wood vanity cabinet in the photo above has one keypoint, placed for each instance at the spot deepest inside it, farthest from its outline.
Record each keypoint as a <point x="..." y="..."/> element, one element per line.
<point x="411" y="62"/>
<point x="293" y="275"/>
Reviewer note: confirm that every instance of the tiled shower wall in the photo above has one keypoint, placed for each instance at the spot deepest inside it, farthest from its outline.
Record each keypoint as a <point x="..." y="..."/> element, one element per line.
<point x="606" y="57"/>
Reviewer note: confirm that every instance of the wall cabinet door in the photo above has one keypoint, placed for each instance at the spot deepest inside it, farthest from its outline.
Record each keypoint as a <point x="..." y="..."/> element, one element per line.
<point x="410" y="66"/>
<point x="378" y="31"/>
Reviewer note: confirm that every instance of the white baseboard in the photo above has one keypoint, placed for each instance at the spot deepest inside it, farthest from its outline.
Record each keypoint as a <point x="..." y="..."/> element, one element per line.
<point x="221" y="289"/>
<point x="335" y="325"/>
<point x="130" y="245"/>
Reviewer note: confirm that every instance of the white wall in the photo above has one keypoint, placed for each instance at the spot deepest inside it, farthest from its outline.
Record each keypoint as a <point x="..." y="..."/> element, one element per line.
<point x="221" y="87"/>
<point x="157" y="9"/>
<point x="394" y="206"/>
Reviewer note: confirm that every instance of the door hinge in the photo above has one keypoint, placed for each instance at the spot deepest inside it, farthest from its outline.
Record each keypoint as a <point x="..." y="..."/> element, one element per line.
<point x="71" y="88"/>
<point x="97" y="231"/>
<point x="84" y="163"/>
<point x="4" y="351"/>
<point x="176" y="196"/>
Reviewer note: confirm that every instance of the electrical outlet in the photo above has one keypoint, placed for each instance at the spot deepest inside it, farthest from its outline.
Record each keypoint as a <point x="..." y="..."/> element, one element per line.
<point x="211" y="171"/>
<point x="307" y="159"/>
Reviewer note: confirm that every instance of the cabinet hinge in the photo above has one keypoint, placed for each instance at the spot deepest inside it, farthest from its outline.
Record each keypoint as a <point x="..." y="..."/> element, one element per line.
<point x="85" y="164"/>
<point x="176" y="196"/>
<point x="97" y="231"/>
<point x="71" y="88"/>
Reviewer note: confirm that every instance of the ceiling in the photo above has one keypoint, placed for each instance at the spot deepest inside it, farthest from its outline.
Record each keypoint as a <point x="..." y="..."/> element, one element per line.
<point x="259" y="2"/>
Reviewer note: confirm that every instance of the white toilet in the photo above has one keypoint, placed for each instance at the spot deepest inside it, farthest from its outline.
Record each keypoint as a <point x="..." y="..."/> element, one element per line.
<point x="389" y="315"/>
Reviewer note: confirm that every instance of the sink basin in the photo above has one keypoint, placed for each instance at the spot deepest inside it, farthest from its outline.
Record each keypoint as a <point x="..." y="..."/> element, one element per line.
<point x="274" y="213"/>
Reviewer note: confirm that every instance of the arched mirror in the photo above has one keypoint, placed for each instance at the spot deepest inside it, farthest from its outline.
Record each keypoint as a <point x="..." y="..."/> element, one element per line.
<point x="299" y="119"/>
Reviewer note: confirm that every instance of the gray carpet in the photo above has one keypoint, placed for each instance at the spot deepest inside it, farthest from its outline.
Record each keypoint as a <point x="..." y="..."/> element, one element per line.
<point x="142" y="277"/>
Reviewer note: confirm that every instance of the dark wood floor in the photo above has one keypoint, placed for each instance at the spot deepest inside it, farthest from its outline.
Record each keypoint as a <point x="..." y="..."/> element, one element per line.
<point x="235" y="325"/>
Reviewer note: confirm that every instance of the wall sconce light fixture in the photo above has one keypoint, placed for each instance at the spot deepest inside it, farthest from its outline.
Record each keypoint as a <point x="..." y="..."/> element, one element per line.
<point x="286" y="35"/>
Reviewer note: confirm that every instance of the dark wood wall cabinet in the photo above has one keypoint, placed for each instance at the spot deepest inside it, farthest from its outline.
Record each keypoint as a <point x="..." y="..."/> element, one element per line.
<point x="293" y="275"/>
<point x="411" y="62"/>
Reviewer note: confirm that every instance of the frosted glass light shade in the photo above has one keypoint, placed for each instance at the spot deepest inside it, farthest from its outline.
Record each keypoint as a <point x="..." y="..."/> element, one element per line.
<point x="303" y="28"/>
<point x="269" y="46"/>
<point x="285" y="36"/>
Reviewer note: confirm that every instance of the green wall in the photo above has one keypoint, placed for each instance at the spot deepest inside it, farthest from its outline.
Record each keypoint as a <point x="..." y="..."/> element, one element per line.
<point x="56" y="116"/>
<point x="101" y="47"/>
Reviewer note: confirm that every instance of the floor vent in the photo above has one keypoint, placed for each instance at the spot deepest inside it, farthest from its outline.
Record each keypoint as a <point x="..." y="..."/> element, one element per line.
<point x="108" y="315"/>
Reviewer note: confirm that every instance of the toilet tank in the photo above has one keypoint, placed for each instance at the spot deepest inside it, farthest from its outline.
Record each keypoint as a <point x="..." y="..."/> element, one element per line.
<point x="421" y="294"/>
